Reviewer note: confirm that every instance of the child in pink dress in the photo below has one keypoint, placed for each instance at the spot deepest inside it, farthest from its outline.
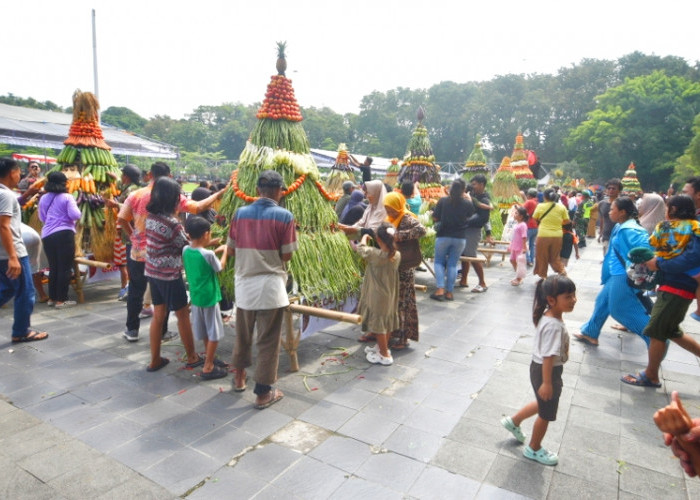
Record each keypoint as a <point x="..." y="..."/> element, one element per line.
<point x="518" y="246"/>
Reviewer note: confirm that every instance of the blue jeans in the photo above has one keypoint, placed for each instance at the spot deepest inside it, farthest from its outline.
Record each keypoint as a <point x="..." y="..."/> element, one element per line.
<point x="22" y="289"/>
<point x="447" y="253"/>
<point x="531" y="239"/>
<point x="618" y="300"/>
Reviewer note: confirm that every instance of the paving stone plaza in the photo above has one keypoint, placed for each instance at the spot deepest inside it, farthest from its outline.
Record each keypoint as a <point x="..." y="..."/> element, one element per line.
<point x="81" y="418"/>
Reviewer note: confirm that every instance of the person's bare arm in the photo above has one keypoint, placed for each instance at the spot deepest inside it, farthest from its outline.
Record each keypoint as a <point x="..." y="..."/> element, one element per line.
<point x="14" y="268"/>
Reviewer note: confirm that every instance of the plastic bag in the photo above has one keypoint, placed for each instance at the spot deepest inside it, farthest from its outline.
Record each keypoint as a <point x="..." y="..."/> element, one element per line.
<point x="521" y="266"/>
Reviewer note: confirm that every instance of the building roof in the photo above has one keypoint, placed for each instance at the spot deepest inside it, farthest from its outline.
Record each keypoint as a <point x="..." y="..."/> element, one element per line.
<point x="48" y="129"/>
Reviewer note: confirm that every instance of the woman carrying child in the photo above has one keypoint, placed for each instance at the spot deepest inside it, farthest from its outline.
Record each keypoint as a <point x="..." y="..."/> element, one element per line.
<point x="553" y="297"/>
<point x="676" y="237"/>
<point x="380" y="292"/>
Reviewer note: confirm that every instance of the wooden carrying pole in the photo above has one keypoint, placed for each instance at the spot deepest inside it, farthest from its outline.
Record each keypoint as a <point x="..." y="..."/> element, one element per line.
<point x="291" y="341"/>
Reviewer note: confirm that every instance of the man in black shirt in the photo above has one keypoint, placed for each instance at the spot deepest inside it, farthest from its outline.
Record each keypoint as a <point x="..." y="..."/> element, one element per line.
<point x="365" y="167"/>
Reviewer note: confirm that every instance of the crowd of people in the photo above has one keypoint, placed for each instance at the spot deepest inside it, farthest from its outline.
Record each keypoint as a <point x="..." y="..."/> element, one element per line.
<point x="154" y="247"/>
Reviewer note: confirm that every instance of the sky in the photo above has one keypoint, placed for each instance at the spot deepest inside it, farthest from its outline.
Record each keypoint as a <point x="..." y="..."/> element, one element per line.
<point x="169" y="57"/>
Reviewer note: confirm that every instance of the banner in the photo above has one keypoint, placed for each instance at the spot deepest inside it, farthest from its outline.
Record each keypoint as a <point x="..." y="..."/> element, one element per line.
<point x="313" y="324"/>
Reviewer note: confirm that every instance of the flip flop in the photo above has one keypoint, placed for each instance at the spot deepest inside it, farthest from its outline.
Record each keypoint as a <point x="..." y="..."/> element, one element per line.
<point x="31" y="336"/>
<point x="585" y="340"/>
<point x="367" y="338"/>
<point x="466" y="285"/>
<point x="275" y="395"/>
<point x="217" y="372"/>
<point x="619" y="327"/>
<point x="197" y="364"/>
<point x="640" y="380"/>
<point x="163" y="362"/>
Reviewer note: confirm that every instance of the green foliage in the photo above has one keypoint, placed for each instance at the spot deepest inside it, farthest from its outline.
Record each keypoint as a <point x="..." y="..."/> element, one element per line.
<point x="29" y="102"/>
<point x="647" y="120"/>
<point x="123" y="118"/>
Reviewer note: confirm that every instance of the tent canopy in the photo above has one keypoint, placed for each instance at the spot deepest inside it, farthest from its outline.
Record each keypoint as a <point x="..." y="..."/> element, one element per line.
<point x="47" y="129"/>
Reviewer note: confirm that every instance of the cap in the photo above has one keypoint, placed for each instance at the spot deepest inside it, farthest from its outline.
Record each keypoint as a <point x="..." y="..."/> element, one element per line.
<point x="270" y="179"/>
<point x="347" y="185"/>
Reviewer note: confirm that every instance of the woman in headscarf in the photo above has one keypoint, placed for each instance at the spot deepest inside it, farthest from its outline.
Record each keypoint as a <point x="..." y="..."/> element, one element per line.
<point x="408" y="231"/>
<point x="355" y="208"/>
<point x="374" y="213"/>
<point x="652" y="210"/>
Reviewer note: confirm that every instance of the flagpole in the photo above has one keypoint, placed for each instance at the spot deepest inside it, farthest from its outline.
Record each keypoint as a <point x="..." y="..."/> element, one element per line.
<point x="94" y="55"/>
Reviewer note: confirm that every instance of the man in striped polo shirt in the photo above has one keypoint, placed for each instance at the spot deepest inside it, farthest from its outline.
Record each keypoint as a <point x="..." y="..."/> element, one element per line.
<point x="262" y="238"/>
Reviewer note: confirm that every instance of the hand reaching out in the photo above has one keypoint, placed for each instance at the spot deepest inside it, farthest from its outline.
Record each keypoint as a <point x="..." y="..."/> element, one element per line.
<point x="681" y="433"/>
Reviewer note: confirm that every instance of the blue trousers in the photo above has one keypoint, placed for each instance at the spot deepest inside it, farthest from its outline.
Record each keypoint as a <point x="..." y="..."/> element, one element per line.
<point x="618" y="300"/>
<point x="531" y="239"/>
<point x="22" y="289"/>
<point x="447" y="253"/>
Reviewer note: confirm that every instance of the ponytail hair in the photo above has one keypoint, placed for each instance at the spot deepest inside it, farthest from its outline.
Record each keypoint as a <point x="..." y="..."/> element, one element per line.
<point x="553" y="286"/>
<point x="625" y="203"/>
<point x="386" y="232"/>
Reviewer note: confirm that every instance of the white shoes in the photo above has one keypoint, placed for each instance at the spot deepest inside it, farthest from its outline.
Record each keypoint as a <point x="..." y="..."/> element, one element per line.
<point x="375" y="358"/>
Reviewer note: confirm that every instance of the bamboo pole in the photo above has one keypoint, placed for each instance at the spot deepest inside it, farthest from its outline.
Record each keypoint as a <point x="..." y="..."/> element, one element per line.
<point x="325" y="313"/>
<point x="421" y="288"/>
<point x="93" y="263"/>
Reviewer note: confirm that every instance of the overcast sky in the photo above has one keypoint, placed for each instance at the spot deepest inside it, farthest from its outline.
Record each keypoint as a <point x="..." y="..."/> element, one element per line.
<point x="168" y="57"/>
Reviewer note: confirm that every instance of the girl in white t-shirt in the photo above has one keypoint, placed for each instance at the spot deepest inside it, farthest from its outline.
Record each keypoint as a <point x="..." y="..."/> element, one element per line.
<point x="553" y="297"/>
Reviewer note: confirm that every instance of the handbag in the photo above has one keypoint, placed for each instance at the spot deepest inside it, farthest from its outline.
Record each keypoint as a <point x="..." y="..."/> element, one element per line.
<point x="411" y="255"/>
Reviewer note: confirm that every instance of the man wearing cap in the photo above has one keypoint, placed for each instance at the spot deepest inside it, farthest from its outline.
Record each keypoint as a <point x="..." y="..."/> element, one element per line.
<point x="262" y="238"/>
<point x="348" y="188"/>
<point x="33" y="174"/>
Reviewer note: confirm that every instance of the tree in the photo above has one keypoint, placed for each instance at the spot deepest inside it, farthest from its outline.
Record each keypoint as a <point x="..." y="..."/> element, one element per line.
<point x="123" y="118"/>
<point x="647" y="120"/>
<point x="29" y="102"/>
<point x="688" y="164"/>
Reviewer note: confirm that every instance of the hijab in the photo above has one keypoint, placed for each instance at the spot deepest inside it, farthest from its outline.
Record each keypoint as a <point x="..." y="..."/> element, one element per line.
<point x="356" y="198"/>
<point x="652" y="210"/>
<point x="397" y="201"/>
<point x="374" y="213"/>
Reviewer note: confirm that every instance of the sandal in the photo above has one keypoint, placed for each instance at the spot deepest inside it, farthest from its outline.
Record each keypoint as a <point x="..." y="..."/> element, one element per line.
<point x="479" y="289"/>
<point x="449" y="296"/>
<point x="439" y="298"/>
<point x="463" y="285"/>
<point x="163" y="362"/>
<point x="367" y="338"/>
<point x="640" y="380"/>
<point x="239" y="388"/>
<point x="31" y="336"/>
<point x="274" y="396"/>
<point x="217" y="372"/>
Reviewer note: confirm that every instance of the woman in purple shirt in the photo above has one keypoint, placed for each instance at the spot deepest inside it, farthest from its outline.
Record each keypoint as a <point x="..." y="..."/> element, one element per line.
<point x="59" y="213"/>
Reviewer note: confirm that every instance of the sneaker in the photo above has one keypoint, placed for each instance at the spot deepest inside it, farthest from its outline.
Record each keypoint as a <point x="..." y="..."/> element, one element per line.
<point x="376" y="358"/>
<point x="131" y="335"/>
<point x="169" y="336"/>
<point x="66" y="304"/>
<point x="542" y="456"/>
<point x="372" y="348"/>
<point x="515" y="430"/>
<point x="479" y="289"/>
<point x="50" y="303"/>
<point x="123" y="293"/>
<point x="146" y="312"/>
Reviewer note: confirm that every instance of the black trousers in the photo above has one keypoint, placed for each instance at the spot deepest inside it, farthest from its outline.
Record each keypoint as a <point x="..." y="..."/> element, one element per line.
<point x="59" y="248"/>
<point x="137" y="288"/>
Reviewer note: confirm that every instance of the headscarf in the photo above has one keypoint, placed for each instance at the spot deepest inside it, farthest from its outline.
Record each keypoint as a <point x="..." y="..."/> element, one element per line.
<point x="356" y="198"/>
<point x="374" y="213"/>
<point x="397" y="201"/>
<point x="652" y="210"/>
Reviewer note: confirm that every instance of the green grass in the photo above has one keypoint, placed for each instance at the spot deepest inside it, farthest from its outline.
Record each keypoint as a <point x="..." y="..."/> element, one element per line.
<point x="188" y="187"/>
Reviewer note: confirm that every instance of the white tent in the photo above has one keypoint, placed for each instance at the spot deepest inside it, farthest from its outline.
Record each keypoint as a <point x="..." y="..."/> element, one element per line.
<point x="47" y="129"/>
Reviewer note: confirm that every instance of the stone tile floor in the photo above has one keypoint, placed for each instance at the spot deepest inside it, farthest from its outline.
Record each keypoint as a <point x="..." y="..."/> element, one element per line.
<point x="81" y="418"/>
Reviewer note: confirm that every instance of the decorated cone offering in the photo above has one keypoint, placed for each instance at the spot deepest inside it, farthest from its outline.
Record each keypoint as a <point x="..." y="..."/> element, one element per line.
<point x="340" y="172"/>
<point x="91" y="169"/>
<point x="324" y="267"/>
<point x="630" y="183"/>
<point x="505" y="191"/>
<point x="392" y="173"/>
<point x="520" y="165"/>
<point x="419" y="162"/>
<point x="476" y="163"/>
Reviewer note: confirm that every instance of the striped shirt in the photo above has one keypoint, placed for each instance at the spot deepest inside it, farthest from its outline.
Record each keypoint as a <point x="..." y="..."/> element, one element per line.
<point x="260" y="233"/>
<point x="165" y="239"/>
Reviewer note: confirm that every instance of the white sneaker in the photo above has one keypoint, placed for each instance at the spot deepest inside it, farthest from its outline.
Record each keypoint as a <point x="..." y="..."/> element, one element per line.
<point x="66" y="304"/>
<point x="376" y="358"/>
<point x="372" y="348"/>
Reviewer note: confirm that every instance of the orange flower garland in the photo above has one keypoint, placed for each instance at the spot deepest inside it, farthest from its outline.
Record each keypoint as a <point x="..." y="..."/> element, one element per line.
<point x="250" y="199"/>
<point x="326" y="194"/>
